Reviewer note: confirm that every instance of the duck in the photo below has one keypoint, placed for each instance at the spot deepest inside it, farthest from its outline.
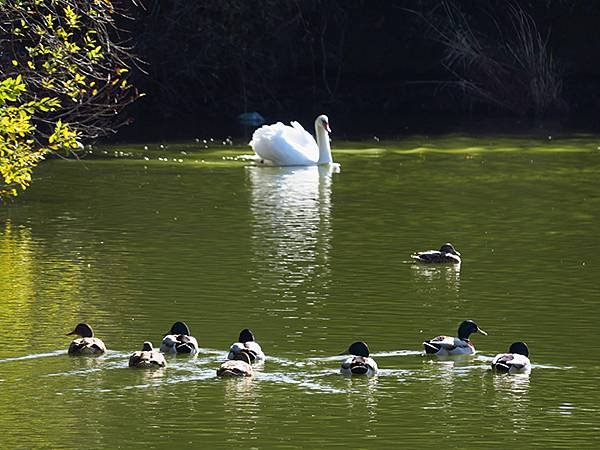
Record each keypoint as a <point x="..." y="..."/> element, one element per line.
<point x="448" y="345"/>
<point x="446" y="254"/>
<point x="178" y="340"/>
<point x="86" y="344"/>
<point x="359" y="363"/>
<point x="240" y="366"/>
<point x="284" y="145"/>
<point x="147" y="358"/>
<point x="246" y="344"/>
<point x="515" y="361"/>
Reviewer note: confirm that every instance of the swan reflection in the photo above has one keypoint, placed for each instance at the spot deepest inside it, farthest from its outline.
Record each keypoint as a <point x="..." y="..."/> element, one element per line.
<point x="291" y="231"/>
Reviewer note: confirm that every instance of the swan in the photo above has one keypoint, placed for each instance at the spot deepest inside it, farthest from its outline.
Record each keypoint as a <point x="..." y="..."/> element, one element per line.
<point x="283" y="145"/>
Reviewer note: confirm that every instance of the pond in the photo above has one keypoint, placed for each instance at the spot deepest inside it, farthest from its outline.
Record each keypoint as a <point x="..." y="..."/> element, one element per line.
<point x="134" y="238"/>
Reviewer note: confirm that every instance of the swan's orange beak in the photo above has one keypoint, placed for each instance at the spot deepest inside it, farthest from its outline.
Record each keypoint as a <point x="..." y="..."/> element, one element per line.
<point x="326" y="126"/>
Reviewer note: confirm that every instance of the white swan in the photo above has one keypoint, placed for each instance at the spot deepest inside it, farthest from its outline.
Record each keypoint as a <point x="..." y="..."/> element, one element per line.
<point x="283" y="145"/>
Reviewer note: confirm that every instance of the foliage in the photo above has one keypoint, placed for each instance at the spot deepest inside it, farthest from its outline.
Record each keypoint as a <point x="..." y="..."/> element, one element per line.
<point x="236" y="55"/>
<point x="64" y="79"/>
<point x="503" y="61"/>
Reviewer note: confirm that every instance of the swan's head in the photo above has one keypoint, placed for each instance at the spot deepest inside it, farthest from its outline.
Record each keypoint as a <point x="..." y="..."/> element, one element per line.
<point x="323" y="122"/>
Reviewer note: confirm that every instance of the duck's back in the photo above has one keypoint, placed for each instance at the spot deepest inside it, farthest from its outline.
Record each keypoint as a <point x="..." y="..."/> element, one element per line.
<point x="511" y="362"/>
<point x="448" y="345"/>
<point x="234" y="368"/>
<point x="284" y="145"/>
<point x="147" y="359"/>
<point x="87" y="346"/>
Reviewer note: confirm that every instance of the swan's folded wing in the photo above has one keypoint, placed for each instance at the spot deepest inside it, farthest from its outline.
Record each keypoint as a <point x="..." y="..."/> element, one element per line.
<point x="300" y="135"/>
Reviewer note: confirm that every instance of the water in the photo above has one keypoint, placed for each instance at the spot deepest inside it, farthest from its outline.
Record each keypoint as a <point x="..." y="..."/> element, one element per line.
<point x="310" y="261"/>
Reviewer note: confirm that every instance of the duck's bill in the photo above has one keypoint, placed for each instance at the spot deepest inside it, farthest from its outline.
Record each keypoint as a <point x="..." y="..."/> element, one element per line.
<point x="71" y="333"/>
<point x="481" y="331"/>
<point x="344" y="353"/>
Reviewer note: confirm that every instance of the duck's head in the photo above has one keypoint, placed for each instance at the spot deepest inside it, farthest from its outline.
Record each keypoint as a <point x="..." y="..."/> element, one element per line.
<point x="358" y="348"/>
<point x="179" y="328"/>
<point x="449" y="248"/>
<point x="147" y="347"/>
<point x="83" y="330"/>
<point x="243" y="356"/>
<point x="519" y="348"/>
<point x="246" y="336"/>
<point x="467" y="328"/>
<point x="323" y="122"/>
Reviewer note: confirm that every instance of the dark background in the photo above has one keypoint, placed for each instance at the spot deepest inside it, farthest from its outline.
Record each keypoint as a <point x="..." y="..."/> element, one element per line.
<point x="374" y="66"/>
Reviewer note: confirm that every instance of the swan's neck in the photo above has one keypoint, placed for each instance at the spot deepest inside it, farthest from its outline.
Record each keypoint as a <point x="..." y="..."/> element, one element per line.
<point x="323" y="144"/>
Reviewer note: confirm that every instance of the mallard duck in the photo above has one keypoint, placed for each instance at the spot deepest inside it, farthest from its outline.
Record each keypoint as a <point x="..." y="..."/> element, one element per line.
<point x="448" y="345"/>
<point x="515" y="361"/>
<point x="238" y="367"/>
<point x="246" y="344"/>
<point x="446" y="254"/>
<point x="359" y="363"/>
<point x="178" y="340"/>
<point x="147" y="358"/>
<point x="87" y="344"/>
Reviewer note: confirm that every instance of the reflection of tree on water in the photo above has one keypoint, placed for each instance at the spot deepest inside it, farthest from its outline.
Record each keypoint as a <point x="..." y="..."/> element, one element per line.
<point x="40" y="284"/>
<point x="291" y="232"/>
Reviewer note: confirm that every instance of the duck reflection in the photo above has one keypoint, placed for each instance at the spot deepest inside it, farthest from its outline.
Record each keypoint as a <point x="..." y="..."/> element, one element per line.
<point x="432" y="276"/>
<point x="362" y="401"/>
<point x="511" y="398"/>
<point x="242" y="407"/>
<point x="291" y="231"/>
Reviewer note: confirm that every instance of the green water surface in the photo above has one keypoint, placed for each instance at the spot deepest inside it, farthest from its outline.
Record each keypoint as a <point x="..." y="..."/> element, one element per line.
<point x="310" y="260"/>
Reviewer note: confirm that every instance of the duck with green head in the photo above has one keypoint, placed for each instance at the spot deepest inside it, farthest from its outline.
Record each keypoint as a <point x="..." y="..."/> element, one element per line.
<point x="460" y="345"/>
<point x="359" y="362"/>
<point x="247" y="344"/>
<point x="86" y="344"/>
<point x="178" y="340"/>
<point x="515" y="361"/>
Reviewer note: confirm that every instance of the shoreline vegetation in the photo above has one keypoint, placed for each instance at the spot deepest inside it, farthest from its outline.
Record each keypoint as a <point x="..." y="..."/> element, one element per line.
<point x="227" y="152"/>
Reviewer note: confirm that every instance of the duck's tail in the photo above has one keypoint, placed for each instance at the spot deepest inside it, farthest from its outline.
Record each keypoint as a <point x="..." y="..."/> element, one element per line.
<point x="501" y="367"/>
<point x="431" y="348"/>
